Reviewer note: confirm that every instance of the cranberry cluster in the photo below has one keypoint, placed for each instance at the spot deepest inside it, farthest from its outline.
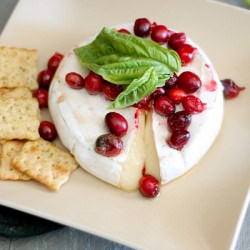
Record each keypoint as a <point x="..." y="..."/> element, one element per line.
<point x="161" y="34"/>
<point x="94" y="84"/>
<point x="47" y="129"/>
<point x="178" y="89"/>
<point x="111" y="144"/>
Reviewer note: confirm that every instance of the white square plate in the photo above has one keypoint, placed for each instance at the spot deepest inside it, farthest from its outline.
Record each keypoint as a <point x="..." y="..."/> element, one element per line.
<point x="197" y="211"/>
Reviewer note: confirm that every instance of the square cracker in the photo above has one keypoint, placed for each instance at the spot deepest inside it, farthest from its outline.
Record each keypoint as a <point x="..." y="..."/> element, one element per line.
<point x="8" y="151"/>
<point x="45" y="163"/>
<point x="18" y="68"/>
<point x="19" y="119"/>
<point x="21" y="92"/>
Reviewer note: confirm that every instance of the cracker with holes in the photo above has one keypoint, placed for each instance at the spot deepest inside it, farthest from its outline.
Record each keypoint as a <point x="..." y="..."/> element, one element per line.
<point x="9" y="150"/>
<point x="18" y="68"/>
<point x="21" y="92"/>
<point x="45" y="163"/>
<point x="19" y="119"/>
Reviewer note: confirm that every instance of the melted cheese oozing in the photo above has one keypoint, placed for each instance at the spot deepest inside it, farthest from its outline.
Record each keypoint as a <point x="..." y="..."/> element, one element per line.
<point x="79" y="119"/>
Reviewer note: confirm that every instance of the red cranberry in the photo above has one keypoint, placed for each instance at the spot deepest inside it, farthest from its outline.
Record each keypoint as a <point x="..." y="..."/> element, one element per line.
<point x="44" y="78"/>
<point x="186" y="53"/>
<point x="116" y="123"/>
<point x="54" y="61"/>
<point x="179" y="120"/>
<point x="160" y="34"/>
<point x="164" y="106"/>
<point x="171" y="82"/>
<point x="158" y="92"/>
<point x="74" y="80"/>
<point x="193" y="104"/>
<point x="142" y="27"/>
<point x="42" y="96"/>
<point x="149" y="186"/>
<point x="176" y="40"/>
<point x="108" y="145"/>
<point x="189" y="81"/>
<point x="176" y="95"/>
<point x="47" y="130"/>
<point x="110" y="90"/>
<point x="93" y="83"/>
<point x="124" y="31"/>
<point x="178" y="139"/>
<point x="231" y="89"/>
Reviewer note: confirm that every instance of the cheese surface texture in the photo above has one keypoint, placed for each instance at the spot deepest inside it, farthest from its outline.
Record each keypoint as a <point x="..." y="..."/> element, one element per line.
<point x="79" y="119"/>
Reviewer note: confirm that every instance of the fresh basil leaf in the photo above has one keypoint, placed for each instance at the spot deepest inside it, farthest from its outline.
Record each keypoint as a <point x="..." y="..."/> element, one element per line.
<point x="138" y="89"/>
<point x="138" y="63"/>
<point x="110" y="42"/>
<point x="125" y="70"/>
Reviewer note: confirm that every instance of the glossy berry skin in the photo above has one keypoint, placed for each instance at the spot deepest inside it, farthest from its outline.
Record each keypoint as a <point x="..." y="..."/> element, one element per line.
<point x="160" y="91"/>
<point x="54" y="61"/>
<point x="74" y="80"/>
<point x="93" y="83"/>
<point x="116" y="123"/>
<point x="231" y="89"/>
<point x="177" y="95"/>
<point x="47" y="130"/>
<point x="142" y="27"/>
<point x="186" y="53"/>
<point x="108" y="145"/>
<point x="110" y="90"/>
<point x="149" y="186"/>
<point x="176" y="40"/>
<point x="171" y="82"/>
<point x="178" y="139"/>
<point x="179" y="120"/>
<point x="44" y="78"/>
<point x="189" y="81"/>
<point x="193" y="104"/>
<point x="160" y="34"/>
<point x="42" y="97"/>
<point x="164" y="106"/>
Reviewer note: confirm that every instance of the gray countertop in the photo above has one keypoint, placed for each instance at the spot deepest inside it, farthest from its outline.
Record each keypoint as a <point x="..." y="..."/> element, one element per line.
<point x="69" y="238"/>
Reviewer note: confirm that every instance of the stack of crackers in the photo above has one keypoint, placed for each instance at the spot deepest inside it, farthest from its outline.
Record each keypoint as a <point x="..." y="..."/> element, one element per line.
<point x="24" y="154"/>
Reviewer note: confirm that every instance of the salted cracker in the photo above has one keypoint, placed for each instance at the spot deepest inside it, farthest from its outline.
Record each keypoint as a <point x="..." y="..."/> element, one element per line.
<point x="18" y="68"/>
<point x="45" y="163"/>
<point x="21" y="92"/>
<point x="19" y="119"/>
<point x="9" y="150"/>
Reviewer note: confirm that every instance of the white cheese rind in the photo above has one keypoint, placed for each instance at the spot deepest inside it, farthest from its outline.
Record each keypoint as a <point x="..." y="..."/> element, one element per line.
<point x="203" y="129"/>
<point x="79" y="118"/>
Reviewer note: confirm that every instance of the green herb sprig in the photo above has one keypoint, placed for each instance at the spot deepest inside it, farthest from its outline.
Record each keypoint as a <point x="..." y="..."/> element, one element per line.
<point x="139" y="64"/>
